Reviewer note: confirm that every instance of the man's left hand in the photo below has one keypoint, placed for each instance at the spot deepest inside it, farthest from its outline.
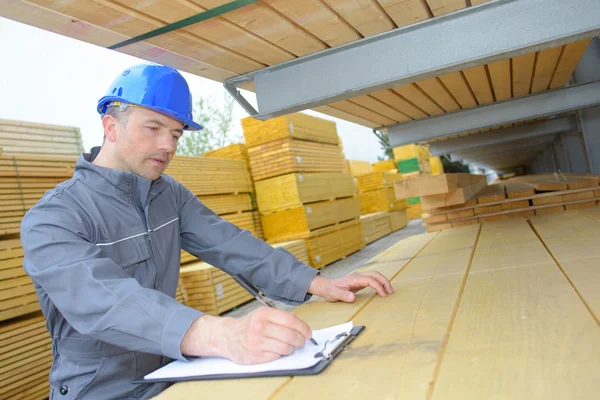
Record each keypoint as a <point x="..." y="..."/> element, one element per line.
<point x="344" y="288"/>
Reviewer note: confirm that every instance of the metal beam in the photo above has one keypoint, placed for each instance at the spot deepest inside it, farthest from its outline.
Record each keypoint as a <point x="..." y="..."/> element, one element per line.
<point x="530" y="107"/>
<point x="431" y="48"/>
<point x="492" y="149"/>
<point x="525" y="131"/>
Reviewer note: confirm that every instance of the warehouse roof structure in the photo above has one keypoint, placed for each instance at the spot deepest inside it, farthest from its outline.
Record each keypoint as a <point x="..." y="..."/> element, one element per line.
<point x="435" y="71"/>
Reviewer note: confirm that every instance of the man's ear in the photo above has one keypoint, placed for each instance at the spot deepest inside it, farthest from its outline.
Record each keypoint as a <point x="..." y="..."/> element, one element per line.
<point x="111" y="126"/>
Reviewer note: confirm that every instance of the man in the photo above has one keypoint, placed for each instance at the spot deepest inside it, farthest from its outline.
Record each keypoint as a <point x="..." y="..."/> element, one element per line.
<point x="103" y="251"/>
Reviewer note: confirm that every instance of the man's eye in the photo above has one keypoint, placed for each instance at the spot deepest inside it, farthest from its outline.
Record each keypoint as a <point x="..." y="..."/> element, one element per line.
<point x="152" y="128"/>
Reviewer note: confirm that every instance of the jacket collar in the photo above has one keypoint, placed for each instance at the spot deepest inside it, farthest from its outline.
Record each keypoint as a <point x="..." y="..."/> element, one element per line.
<point x="115" y="181"/>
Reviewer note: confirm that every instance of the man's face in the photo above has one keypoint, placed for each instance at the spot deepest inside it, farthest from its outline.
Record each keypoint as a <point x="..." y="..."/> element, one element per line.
<point x="147" y="143"/>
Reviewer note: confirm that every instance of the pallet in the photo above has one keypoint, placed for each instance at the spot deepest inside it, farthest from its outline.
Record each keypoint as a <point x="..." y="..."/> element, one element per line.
<point x="298" y="222"/>
<point x="287" y="155"/>
<point x="380" y="200"/>
<point x="207" y="176"/>
<point x="332" y="243"/>
<point x="25" y="357"/>
<point x="17" y="293"/>
<point x="293" y="126"/>
<point x="294" y="190"/>
<point x="375" y="226"/>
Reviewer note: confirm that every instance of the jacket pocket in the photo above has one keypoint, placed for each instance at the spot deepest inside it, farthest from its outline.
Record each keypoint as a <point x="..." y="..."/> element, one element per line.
<point x="133" y="256"/>
<point x="75" y="376"/>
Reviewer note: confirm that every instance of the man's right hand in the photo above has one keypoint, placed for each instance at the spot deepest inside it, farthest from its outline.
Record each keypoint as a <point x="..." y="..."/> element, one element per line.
<point x="261" y="336"/>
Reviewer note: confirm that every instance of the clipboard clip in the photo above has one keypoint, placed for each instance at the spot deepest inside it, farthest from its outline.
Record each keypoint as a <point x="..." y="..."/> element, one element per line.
<point x="342" y="346"/>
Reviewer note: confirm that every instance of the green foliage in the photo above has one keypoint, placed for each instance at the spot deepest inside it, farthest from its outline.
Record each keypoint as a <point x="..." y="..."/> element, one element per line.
<point x="453" y="166"/>
<point x="217" y="120"/>
<point x="388" y="153"/>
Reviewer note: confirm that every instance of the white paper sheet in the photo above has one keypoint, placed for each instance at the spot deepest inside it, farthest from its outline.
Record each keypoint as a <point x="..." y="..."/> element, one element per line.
<point x="301" y="358"/>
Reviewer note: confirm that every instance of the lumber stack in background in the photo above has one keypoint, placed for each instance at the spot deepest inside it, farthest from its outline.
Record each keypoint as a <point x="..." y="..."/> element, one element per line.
<point x="17" y="293"/>
<point x="385" y="166"/>
<point x="33" y="139"/>
<point x="358" y="168"/>
<point x="235" y="151"/>
<point x="522" y="197"/>
<point x="25" y="358"/>
<point x="375" y="226"/>
<point x="302" y="189"/>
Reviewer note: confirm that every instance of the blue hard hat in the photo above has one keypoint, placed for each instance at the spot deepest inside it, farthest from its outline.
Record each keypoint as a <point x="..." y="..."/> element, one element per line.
<point x="156" y="87"/>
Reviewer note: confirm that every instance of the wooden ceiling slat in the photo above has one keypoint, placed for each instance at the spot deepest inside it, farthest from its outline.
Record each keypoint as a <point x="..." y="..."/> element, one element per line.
<point x="545" y="64"/>
<point x="317" y="18"/>
<point x="217" y="30"/>
<point x="480" y="84"/>
<point x="334" y="112"/>
<point x="569" y="58"/>
<point x="107" y="15"/>
<point x="412" y="93"/>
<point x="355" y="109"/>
<point x="501" y="80"/>
<point x="267" y="23"/>
<point x="366" y="16"/>
<point x="379" y="107"/>
<point x="459" y="87"/>
<point x="442" y="7"/>
<point x="406" y="12"/>
<point x="434" y="88"/>
<point x="522" y="73"/>
<point x="398" y="102"/>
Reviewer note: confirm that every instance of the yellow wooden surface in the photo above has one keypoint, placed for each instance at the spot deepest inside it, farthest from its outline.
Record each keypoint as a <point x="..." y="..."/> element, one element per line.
<point x="228" y="203"/>
<point x="236" y="151"/>
<point x="375" y="226"/>
<point x="294" y="190"/>
<point x="297" y="222"/>
<point x="415" y="211"/>
<point x="297" y="126"/>
<point x="380" y="200"/>
<point x="426" y="185"/>
<point x="291" y="155"/>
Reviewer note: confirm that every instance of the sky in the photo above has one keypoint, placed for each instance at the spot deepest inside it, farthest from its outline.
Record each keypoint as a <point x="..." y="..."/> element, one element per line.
<point x="52" y="79"/>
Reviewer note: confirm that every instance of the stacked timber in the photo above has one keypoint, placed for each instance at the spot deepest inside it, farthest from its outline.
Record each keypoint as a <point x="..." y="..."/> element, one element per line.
<point x="398" y="219"/>
<point x="32" y="139"/>
<point x="25" y="358"/>
<point x="385" y="166"/>
<point x="414" y="160"/>
<point x="358" y="168"/>
<point x="375" y="226"/>
<point x="236" y="151"/>
<point x="302" y="191"/>
<point x="17" y="294"/>
<point x="523" y="197"/>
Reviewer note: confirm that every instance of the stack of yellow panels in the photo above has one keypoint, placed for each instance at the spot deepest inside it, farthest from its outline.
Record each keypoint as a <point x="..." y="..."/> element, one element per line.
<point x="17" y="294"/>
<point x="297" y="222"/>
<point x="294" y="190"/>
<point x="228" y="203"/>
<point x="295" y="126"/>
<point x="205" y="176"/>
<point x="211" y="290"/>
<point x="380" y="200"/>
<point x="385" y="166"/>
<point x="375" y="226"/>
<point x="25" y="358"/>
<point x="398" y="219"/>
<point x="329" y="244"/>
<point x="236" y="151"/>
<point x="377" y="180"/>
<point x="32" y="139"/>
<point x="290" y="155"/>
<point x="358" y="168"/>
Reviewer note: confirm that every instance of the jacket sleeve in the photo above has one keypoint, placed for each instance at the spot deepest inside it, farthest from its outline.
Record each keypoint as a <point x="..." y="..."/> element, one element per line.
<point x="276" y="272"/>
<point x="94" y="294"/>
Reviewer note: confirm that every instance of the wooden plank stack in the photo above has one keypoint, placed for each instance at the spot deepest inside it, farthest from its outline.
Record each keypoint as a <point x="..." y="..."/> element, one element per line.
<point x="524" y="197"/>
<point x="412" y="159"/>
<point x="32" y="139"/>
<point x="17" y="294"/>
<point x="376" y="192"/>
<point x="385" y="166"/>
<point x="398" y="219"/>
<point x="301" y="189"/>
<point x="25" y="358"/>
<point x="236" y="151"/>
<point x="375" y="226"/>
<point x="358" y="168"/>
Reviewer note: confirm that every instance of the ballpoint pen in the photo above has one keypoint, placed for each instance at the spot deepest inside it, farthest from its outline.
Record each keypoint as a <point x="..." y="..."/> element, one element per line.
<point x="257" y="295"/>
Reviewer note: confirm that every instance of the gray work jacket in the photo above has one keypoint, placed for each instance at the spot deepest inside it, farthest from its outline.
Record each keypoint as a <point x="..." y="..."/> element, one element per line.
<point x="103" y="250"/>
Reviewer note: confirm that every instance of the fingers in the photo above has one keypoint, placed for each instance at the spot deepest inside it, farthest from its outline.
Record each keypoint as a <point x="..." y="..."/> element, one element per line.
<point x="287" y="320"/>
<point x="285" y="335"/>
<point x="387" y="285"/>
